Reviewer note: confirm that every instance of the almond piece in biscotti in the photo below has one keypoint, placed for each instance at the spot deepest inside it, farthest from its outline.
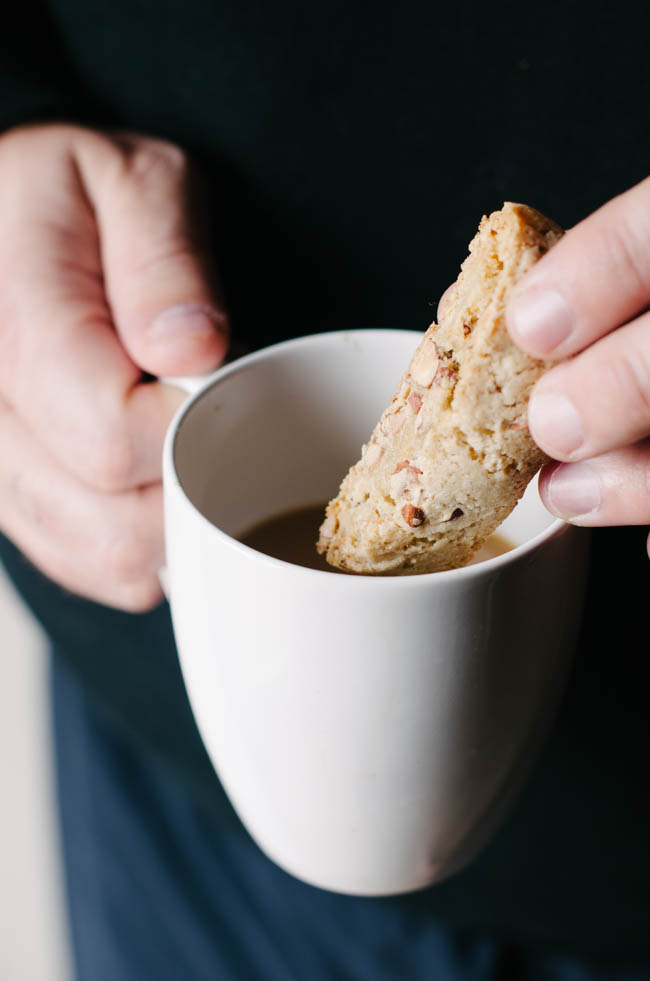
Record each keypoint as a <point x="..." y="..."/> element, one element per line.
<point x="457" y="419"/>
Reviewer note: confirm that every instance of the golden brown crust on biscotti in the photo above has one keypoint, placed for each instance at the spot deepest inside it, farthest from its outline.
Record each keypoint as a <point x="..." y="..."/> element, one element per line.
<point x="451" y="455"/>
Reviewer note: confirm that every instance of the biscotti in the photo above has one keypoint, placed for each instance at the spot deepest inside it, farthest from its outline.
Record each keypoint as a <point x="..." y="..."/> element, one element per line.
<point x="451" y="455"/>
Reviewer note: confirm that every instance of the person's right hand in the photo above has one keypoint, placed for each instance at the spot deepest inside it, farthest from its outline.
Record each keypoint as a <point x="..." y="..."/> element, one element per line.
<point x="103" y="275"/>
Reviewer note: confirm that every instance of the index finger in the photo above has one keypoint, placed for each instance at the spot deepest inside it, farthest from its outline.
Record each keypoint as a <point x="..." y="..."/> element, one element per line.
<point x="594" y="280"/>
<point x="67" y="376"/>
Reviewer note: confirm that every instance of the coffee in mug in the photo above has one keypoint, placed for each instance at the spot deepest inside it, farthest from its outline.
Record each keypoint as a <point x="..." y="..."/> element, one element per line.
<point x="292" y="536"/>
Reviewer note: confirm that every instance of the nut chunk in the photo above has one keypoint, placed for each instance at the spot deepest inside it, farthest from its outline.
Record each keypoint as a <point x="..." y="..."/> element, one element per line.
<point x="451" y="455"/>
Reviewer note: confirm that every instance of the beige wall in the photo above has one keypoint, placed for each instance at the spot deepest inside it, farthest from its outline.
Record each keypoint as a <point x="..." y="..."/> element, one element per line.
<point x="33" y="941"/>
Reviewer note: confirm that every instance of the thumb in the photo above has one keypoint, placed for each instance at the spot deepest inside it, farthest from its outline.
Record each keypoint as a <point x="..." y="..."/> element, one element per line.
<point x="594" y="280"/>
<point x="158" y="277"/>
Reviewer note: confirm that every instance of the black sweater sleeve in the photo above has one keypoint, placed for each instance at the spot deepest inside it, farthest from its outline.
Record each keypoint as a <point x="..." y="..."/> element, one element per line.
<point x="36" y="83"/>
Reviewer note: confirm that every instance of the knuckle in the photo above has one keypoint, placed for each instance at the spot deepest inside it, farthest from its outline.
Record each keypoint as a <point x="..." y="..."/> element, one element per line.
<point x="628" y="249"/>
<point x="157" y="160"/>
<point x="14" y="142"/>
<point x="172" y="248"/>
<point x="631" y="370"/>
<point x="30" y="141"/>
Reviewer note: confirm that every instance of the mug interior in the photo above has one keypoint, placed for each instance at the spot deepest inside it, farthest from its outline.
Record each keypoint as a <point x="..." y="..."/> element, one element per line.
<point x="278" y="429"/>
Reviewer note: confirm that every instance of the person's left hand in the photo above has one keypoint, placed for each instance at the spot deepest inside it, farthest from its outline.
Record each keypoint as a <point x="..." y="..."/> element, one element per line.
<point x="587" y="300"/>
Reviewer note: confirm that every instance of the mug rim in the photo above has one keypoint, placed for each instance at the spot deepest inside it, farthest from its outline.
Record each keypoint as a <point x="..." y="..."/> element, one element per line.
<point x="556" y="528"/>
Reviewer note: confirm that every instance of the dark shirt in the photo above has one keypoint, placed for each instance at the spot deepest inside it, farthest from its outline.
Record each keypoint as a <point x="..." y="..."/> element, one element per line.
<point x="353" y="149"/>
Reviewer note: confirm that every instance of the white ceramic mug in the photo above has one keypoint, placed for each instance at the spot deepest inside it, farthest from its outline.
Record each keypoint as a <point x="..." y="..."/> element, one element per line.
<point x="369" y="731"/>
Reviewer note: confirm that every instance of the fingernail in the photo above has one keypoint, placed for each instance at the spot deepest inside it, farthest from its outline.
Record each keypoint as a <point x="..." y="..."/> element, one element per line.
<point x="541" y="319"/>
<point x="555" y="424"/>
<point x="188" y="320"/>
<point x="574" y="490"/>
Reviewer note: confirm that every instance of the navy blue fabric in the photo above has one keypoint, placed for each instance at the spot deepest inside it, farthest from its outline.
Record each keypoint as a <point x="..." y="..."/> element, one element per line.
<point x="159" y="892"/>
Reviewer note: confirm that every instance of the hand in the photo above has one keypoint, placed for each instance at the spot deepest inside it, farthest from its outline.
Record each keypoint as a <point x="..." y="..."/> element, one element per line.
<point x="103" y="275"/>
<point x="585" y="301"/>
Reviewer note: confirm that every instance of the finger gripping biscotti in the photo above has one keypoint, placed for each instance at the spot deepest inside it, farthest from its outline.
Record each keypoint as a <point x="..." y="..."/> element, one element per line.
<point x="451" y="455"/>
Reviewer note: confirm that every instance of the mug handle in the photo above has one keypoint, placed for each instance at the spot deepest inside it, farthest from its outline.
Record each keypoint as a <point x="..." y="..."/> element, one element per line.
<point x="192" y="383"/>
<point x="188" y="384"/>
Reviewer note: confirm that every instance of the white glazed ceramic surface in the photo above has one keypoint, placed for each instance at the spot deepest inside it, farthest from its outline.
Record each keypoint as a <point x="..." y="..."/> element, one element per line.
<point x="369" y="731"/>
